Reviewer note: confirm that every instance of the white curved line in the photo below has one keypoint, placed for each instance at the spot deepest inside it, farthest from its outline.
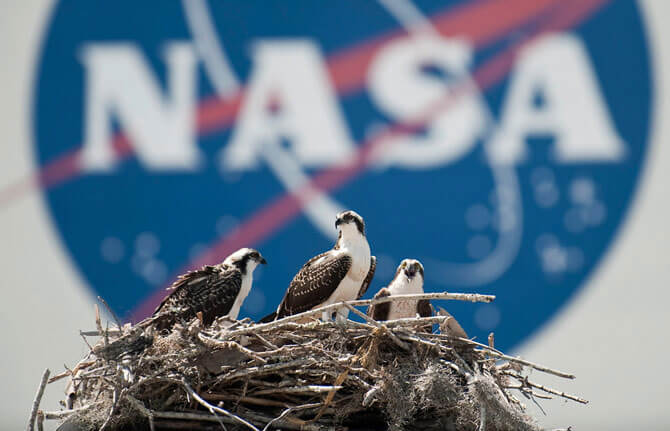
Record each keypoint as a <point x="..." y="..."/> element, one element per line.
<point x="510" y="218"/>
<point x="409" y="16"/>
<point x="210" y="48"/>
<point x="509" y="239"/>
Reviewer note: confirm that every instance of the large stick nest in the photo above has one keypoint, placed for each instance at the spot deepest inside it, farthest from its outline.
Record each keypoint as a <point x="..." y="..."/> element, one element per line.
<point x="297" y="376"/>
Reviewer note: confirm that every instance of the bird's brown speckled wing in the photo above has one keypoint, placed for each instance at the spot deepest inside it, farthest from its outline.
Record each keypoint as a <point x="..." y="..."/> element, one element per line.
<point x="211" y="290"/>
<point x="368" y="278"/>
<point x="314" y="283"/>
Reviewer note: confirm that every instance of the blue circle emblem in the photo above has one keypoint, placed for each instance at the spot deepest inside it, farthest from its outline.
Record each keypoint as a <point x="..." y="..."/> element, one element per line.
<point x="498" y="142"/>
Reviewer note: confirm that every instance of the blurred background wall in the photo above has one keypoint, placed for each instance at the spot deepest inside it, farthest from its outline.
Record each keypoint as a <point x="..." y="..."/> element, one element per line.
<point x="515" y="147"/>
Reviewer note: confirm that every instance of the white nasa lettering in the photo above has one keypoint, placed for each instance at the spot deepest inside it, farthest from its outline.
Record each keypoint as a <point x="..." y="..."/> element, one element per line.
<point x="161" y="129"/>
<point x="573" y="111"/>
<point x="291" y="74"/>
<point x="400" y="88"/>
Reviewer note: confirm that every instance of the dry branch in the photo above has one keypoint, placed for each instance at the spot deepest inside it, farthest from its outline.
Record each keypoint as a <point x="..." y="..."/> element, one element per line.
<point x="38" y="398"/>
<point x="214" y="410"/>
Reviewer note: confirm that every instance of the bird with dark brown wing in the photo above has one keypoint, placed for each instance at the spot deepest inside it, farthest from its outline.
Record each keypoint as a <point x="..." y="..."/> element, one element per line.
<point x="341" y="274"/>
<point x="408" y="280"/>
<point x="214" y="291"/>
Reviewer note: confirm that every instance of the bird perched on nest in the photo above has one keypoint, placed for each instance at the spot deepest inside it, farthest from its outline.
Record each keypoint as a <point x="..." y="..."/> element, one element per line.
<point x="343" y="273"/>
<point x="214" y="291"/>
<point x="408" y="280"/>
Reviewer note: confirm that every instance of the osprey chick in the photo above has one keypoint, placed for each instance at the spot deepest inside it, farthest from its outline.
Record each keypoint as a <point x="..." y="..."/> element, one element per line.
<point x="340" y="274"/>
<point x="215" y="291"/>
<point x="408" y="280"/>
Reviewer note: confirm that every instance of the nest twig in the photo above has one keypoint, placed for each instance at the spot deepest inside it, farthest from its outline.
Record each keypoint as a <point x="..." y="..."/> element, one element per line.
<point x="300" y="376"/>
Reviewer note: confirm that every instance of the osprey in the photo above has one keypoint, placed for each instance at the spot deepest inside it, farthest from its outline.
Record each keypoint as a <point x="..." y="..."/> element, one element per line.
<point x="214" y="291"/>
<point x="340" y="274"/>
<point x="408" y="280"/>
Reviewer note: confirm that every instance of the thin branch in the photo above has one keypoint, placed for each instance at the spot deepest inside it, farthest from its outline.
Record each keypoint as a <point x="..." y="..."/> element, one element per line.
<point x="289" y="323"/>
<point x="264" y="369"/>
<point x="531" y="364"/>
<point x="230" y="345"/>
<point x="415" y="321"/>
<point x="37" y="400"/>
<point x="213" y="409"/>
<point x="287" y="412"/>
<point x="417" y="339"/>
<point x="114" y="316"/>
<point x="83" y="337"/>
<point x="468" y="297"/>
<point x="99" y="333"/>
<point x="369" y="396"/>
<point x="463" y="340"/>
<point x="524" y="380"/>
<point x="265" y="342"/>
<point x="278" y="418"/>
<point x="62" y="375"/>
<point x="299" y="390"/>
<point x="65" y="413"/>
<point x="105" y="334"/>
<point x="329" y="398"/>
<point x="532" y="398"/>
<point x="187" y="416"/>
<point x="246" y="400"/>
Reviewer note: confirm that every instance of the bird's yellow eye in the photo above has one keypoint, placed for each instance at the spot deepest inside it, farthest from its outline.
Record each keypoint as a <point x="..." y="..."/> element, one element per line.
<point x="403" y="265"/>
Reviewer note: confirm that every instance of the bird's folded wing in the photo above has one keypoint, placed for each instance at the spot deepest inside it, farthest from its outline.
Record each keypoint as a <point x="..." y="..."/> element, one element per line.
<point x="211" y="290"/>
<point x="368" y="278"/>
<point x="315" y="282"/>
<point x="183" y="285"/>
<point x="424" y="308"/>
<point x="220" y="295"/>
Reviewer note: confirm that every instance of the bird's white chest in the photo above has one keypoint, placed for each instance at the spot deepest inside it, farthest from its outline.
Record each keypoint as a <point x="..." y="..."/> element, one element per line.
<point x="244" y="291"/>
<point x="360" y="266"/>
<point x="404" y="309"/>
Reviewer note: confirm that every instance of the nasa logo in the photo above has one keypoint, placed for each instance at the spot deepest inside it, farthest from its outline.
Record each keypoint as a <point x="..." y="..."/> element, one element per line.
<point x="498" y="141"/>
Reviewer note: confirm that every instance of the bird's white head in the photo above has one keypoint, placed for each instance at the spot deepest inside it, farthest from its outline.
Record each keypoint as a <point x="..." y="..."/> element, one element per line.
<point x="350" y="223"/>
<point x="246" y="259"/>
<point x="408" y="277"/>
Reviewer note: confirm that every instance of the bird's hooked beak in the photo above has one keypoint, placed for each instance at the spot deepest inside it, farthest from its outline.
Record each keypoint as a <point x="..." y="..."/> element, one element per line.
<point x="338" y="222"/>
<point x="262" y="260"/>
